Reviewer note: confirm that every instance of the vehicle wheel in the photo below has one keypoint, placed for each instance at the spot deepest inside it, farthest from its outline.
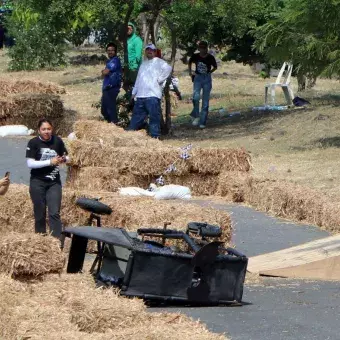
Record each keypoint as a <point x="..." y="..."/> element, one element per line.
<point x="93" y="206"/>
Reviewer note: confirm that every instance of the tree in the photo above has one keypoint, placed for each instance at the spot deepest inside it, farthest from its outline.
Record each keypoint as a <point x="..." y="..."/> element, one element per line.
<point x="305" y="32"/>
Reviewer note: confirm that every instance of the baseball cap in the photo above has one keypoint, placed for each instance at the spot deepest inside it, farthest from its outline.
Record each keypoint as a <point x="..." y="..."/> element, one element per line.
<point x="151" y="46"/>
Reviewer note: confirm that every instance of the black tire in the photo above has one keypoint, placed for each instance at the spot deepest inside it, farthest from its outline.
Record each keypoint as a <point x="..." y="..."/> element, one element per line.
<point x="93" y="206"/>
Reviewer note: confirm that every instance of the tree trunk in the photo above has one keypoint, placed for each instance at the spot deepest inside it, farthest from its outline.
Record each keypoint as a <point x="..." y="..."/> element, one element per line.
<point x="167" y="87"/>
<point x="311" y="81"/>
<point x="301" y="78"/>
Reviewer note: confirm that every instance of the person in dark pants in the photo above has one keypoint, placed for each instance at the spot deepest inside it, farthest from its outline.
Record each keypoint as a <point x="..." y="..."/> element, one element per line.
<point x="148" y="92"/>
<point x="44" y="154"/>
<point x="111" y="85"/>
<point x="205" y="65"/>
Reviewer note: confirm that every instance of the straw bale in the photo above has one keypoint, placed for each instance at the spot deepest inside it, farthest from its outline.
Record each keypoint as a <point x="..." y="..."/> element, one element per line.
<point x="151" y="161"/>
<point x="30" y="106"/>
<point x="12" y="293"/>
<point x="28" y="86"/>
<point x="155" y="160"/>
<point x="112" y="135"/>
<point x="292" y="201"/>
<point x="214" y="161"/>
<point x="30" y="255"/>
<point x="232" y="185"/>
<point x="129" y="212"/>
<point x="16" y="213"/>
<point x="71" y="307"/>
<point x="132" y="213"/>
<point x="102" y="178"/>
<point x="109" y="179"/>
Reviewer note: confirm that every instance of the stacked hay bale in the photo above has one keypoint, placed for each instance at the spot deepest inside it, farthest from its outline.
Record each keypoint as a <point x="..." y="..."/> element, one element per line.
<point x="24" y="102"/>
<point x="105" y="157"/>
<point x="16" y="213"/>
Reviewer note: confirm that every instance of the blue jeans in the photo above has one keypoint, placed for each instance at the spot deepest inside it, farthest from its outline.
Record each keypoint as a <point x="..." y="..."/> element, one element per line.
<point x="147" y="107"/>
<point x="201" y="82"/>
<point x="109" y="105"/>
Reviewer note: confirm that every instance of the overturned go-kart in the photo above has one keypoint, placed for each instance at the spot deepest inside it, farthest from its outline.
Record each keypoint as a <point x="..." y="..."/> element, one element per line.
<point x="143" y="265"/>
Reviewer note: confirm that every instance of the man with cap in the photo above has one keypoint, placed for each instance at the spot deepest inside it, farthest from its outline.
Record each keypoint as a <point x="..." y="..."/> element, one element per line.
<point x="135" y="52"/>
<point x="205" y="65"/>
<point x="147" y="92"/>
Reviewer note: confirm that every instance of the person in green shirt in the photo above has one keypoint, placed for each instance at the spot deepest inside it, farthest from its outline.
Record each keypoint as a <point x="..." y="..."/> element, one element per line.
<point x="135" y="52"/>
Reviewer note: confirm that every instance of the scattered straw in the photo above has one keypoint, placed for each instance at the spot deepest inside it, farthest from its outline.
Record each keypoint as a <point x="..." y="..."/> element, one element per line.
<point x="30" y="255"/>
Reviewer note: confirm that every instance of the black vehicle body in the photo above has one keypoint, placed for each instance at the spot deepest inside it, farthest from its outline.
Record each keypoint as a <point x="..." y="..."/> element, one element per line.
<point x="201" y="273"/>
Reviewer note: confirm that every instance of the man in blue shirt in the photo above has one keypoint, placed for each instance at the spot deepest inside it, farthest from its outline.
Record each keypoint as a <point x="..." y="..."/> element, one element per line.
<point x="111" y="85"/>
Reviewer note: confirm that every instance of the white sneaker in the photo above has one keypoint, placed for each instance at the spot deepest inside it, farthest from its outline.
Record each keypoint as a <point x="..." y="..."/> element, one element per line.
<point x="202" y="126"/>
<point x="195" y="121"/>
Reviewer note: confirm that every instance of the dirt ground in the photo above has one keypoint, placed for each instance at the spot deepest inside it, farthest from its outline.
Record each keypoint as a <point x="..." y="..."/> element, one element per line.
<point x="299" y="145"/>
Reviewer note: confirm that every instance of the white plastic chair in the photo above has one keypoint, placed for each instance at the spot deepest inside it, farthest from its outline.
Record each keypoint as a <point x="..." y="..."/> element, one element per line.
<point x="285" y="85"/>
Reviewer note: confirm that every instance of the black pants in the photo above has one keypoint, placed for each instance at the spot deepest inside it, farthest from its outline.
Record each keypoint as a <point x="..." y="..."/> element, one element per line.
<point x="46" y="194"/>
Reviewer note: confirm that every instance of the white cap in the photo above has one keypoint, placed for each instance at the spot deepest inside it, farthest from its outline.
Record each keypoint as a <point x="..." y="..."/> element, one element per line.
<point x="151" y="46"/>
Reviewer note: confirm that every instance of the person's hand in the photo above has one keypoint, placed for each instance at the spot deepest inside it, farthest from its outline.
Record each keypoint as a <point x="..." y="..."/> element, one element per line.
<point x="4" y="185"/>
<point x="56" y="160"/>
<point x="132" y="99"/>
<point x="4" y="181"/>
<point x="105" y="72"/>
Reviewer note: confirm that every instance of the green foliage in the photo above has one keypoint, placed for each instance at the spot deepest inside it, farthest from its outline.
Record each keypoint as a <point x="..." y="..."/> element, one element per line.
<point x="305" y="32"/>
<point x="37" y="44"/>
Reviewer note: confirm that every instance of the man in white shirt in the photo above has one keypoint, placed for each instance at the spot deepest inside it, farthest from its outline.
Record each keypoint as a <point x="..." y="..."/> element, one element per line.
<point x="148" y="92"/>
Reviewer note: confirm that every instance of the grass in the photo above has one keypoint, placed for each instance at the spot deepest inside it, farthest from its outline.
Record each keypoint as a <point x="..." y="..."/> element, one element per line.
<point x="301" y="146"/>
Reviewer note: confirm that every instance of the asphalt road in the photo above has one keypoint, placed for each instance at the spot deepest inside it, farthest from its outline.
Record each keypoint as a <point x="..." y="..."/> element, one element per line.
<point x="275" y="309"/>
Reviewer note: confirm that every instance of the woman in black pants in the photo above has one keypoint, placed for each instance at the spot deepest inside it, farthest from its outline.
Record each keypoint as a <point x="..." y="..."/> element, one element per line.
<point x="44" y="154"/>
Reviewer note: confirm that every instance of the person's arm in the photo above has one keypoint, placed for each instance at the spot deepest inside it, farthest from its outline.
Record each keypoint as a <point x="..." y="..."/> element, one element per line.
<point x="190" y="66"/>
<point x="33" y="164"/>
<point x="139" y="51"/>
<point x="63" y="152"/>
<point x="213" y="64"/>
<point x="165" y="72"/>
<point x="112" y="66"/>
<point x="135" y="87"/>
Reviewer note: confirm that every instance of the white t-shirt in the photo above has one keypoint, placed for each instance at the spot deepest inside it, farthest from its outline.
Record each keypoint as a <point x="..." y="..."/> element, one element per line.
<point x="151" y="76"/>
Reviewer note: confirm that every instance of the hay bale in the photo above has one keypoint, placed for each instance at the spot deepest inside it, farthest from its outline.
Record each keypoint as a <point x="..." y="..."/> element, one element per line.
<point x="71" y="307"/>
<point x="8" y="88"/>
<point x="129" y="212"/>
<point x="292" y="201"/>
<point x="109" y="179"/>
<point x="215" y="161"/>
<point x="16" y="213"/>
<point x="151" y="161"/>
<point x="30" y="255"/>
<point x="26" y="109"/>
<point x="112" y="135"/>
<point x="12" y="294"/>
<point x="132" y="213"/>
<point x="154" y="161"/>
<point x="232" y="185"/>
